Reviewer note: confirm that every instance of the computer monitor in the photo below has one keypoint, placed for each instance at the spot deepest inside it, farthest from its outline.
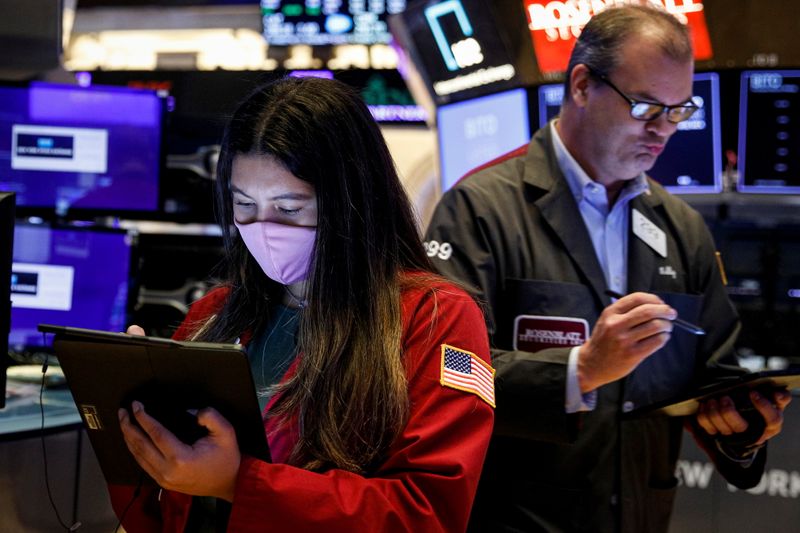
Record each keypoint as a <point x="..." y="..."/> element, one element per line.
<point x="692" y="160"/>
<point x="289" y="22"/>
<point x="6" y="244"/>
<point x="71" y="276"/>
<point x="477" y="131"/>
<point x="463" y="49"/>
<point x="69" y="149"/>
<point x="769" y="132"/>
<point x="550" y="97"/>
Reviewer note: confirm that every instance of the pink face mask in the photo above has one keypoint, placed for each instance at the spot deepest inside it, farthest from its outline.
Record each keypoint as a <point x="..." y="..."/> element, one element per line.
<point x="282" y="251"/>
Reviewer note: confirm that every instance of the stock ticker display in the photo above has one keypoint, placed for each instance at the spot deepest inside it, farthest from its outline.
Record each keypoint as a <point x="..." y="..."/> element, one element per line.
<point x="769" y="132"/>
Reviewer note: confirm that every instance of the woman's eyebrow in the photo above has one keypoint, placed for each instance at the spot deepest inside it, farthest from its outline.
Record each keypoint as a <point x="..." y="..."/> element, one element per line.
<point x="237" y="190"/>
<point x="292" y="196"/>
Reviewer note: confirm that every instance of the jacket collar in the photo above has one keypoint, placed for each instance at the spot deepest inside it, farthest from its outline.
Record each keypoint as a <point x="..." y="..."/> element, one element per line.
<point x="553" y="197"/>
<point x="559" y="210"/>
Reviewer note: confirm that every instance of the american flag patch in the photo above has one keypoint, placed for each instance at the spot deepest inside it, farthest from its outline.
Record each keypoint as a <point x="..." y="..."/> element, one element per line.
<point x="462" y="370"/>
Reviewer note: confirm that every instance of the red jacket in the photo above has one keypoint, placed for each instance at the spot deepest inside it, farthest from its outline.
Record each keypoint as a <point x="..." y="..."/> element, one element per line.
<point x="429" y="479"/>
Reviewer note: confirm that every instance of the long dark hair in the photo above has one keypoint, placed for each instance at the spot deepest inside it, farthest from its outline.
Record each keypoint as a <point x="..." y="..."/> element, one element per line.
<point x="349" y="394"/>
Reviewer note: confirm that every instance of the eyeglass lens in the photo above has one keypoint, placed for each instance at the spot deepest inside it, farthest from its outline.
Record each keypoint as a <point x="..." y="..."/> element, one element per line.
<point x="648" y="111"/>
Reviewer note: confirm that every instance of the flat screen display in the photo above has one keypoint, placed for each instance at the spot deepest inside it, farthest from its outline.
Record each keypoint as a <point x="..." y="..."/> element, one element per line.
<point x="327" y="22"/>
<point x="68" y="276"/>
<point x="65" y="147"/>
<point x="476" y="131"/>
<point x="769" y="132"/>
<point x="550" y="98"/>
<point x="462" y="48"/>
<point x="692" y="159"/>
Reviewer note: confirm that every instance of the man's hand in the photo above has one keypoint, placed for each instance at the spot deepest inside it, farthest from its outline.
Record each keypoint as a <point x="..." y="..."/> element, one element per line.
<point x="627" y="332"/>
<point x="720" y="417"/>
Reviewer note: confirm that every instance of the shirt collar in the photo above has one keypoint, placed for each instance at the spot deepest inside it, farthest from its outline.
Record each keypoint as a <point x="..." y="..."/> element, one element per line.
<point x="579" y="181"/>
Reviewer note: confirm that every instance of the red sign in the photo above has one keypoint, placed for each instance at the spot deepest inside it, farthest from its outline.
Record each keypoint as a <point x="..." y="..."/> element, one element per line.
<point x="556" y="24"/>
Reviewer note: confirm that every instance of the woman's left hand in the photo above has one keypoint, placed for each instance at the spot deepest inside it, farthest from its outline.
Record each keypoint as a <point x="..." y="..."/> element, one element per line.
<point x="206" y="468"/>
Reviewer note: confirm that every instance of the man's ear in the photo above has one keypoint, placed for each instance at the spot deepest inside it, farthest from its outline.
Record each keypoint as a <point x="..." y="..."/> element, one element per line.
<point x="579" y="80"/>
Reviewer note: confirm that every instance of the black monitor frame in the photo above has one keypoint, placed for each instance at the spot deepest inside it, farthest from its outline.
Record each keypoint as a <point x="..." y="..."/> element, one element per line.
<point x="6" y="249"/>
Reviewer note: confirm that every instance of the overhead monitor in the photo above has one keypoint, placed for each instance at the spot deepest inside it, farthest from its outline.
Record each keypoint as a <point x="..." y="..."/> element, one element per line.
<point x="6" y="242"/>
<point x="385" y="93"/>
<point x="466" y="48"/>
<point x="477" y="131"/>
<point x="327" y="22"/>
<point x="77" y="277"/>
<point x="67" y="148"/>
<point x="692" y="160"/>
<point x="769" y="132"/>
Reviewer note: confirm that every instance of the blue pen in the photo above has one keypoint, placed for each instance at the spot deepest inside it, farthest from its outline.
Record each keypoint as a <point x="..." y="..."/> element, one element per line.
<point x="684" y="325"/>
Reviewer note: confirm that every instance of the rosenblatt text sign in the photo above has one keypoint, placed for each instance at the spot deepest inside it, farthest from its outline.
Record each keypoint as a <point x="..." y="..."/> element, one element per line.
<point x="555" y="24"/>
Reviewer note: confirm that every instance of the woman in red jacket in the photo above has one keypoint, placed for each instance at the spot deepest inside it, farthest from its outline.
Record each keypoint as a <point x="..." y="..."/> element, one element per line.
<point x="374" y="372"/>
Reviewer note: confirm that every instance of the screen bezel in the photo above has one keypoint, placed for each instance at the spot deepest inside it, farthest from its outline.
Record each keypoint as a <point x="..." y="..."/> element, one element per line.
<point x="6" y="257"/>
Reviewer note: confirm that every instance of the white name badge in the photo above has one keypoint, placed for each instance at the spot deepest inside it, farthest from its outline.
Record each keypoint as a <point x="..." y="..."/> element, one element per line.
<point x="652" y="235"/>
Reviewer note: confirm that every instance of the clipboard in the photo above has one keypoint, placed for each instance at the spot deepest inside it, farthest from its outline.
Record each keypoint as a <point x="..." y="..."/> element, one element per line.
<point x="736" y="386"/>
<point x="106" y="371"/>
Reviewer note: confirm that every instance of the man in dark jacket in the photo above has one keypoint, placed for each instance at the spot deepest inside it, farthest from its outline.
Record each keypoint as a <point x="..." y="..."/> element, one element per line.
<point x="542" y="234"/>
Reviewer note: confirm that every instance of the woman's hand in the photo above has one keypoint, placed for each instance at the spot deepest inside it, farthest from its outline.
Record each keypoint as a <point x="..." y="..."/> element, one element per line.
<point x="206" y="468"/>
<point x="133" y="329"/>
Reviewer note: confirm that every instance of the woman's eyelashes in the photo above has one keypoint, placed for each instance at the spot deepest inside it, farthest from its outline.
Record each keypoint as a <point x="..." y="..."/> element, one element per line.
<point x="250" y="207"/>
<point x="289" y="211"/>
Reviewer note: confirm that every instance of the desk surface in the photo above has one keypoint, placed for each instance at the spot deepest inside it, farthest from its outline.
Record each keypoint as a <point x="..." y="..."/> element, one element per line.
<point x="22" y="412"/>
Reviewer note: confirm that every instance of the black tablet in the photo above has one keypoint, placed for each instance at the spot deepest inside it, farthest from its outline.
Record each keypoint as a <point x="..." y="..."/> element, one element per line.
<point x="106" y="371"/>
<point x="735" y="386"/>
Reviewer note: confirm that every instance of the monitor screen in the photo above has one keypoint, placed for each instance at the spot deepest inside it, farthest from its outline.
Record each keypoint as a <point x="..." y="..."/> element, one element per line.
<point x="328" y="22"/>
<point x="474" y="132"/>
<point x="692" y="159"/>
<point x="463" y="49"/>
<point x="6" y="242"/>
<point x="66" y="147"/>
<point x="769" y="132"/>
<point x="76" y="277"/>
<point x="550" y="97"/>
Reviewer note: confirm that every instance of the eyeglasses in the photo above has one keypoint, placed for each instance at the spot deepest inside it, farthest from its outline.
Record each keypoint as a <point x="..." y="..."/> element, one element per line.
<point x="646" y="111"/>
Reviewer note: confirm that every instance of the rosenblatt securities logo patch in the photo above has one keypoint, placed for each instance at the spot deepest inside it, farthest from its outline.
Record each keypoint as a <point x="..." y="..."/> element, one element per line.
<point x="533" y="333"/>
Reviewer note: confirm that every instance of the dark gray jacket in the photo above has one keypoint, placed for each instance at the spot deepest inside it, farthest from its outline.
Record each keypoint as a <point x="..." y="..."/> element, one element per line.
<point x="513" y="232"/>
